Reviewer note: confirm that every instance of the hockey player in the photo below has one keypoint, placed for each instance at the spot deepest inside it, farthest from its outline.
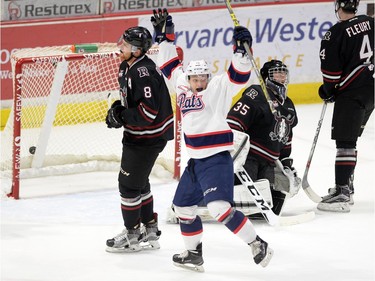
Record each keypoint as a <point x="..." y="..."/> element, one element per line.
<point x="347" y="65"/>
<point x="270" y="133"/>
<point x="204" y="102"/>
<point x="145" y="113"/>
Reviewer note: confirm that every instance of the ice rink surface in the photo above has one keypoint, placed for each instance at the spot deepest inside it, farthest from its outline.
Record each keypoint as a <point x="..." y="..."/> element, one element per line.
<point x="57" y="232"/>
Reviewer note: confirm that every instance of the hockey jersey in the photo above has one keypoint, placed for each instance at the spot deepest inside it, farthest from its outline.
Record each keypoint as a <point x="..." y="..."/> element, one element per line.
<point x="347" y="55"/>
<point x="143" y="91"/>
<point x="270" y="134"/>
<point x="203" y="114"/>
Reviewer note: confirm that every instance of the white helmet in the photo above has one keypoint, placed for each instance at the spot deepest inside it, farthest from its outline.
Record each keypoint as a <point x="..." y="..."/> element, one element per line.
<point x="198" y="67"/>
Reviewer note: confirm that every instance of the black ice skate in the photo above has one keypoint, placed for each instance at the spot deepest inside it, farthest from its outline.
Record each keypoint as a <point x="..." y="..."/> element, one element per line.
<point x="190" y="259"/>
<point x="150" y="235"/>
<point x="337" y="200"/>
<point x="125" y="242"/>
<point x="261" y="252"/>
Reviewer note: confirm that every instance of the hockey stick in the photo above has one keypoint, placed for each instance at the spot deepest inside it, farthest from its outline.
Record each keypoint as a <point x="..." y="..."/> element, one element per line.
<point x="305" y="184"/>
<point x="266" y="210"/>
<point x="261" y="203"/>
<point x="247" y="48"/>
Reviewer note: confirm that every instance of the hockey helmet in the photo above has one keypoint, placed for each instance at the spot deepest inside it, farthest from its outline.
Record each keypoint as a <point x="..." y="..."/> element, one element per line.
<point x="198" y="67"/>
<point x="346" y="5"/>
<point x="276" y="76"/>
<point x="139" y="37"/>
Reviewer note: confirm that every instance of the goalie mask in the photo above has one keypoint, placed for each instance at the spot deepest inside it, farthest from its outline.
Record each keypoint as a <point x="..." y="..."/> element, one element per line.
<point x="276" y="76"/>
<point x="347" y="5"/>
<point x="198" y="75"/>
<point x="138" y="37"/>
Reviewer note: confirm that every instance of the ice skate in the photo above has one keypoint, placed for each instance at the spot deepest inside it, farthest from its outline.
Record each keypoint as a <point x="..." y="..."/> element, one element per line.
<point x="351" y="193"/>
<point x="125" y="242"/>
<point x="337" y="200"/>
<point x="150" y="235"/>
<point x="261" y="252"/>
<point x="190" y="259"/>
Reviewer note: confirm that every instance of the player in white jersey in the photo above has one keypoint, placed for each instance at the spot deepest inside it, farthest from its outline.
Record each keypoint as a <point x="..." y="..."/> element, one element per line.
<point x="204" y="102"/>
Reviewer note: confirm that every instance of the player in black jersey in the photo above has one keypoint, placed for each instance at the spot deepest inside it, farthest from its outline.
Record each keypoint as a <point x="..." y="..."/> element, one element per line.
<point x="145" y="113"/>
<point x="347" y="65"/>
<point x="270" y="133"/>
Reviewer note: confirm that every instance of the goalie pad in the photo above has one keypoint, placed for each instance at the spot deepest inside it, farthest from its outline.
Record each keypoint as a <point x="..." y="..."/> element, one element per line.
<point x="243" y="201"/>
<point x="241" y="142"/>
<point x="286" y="181"/>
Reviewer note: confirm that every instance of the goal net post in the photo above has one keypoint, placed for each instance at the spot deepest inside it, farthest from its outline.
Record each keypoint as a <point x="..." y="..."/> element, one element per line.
<point x="57" y="122"/>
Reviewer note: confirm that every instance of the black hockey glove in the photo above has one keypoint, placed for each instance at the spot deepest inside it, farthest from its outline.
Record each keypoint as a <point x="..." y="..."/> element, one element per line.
<point x="114" y="119"/>
<point x="324" y="95"/>
<point x="240" y="36"/>
<point x="163" y="26"/>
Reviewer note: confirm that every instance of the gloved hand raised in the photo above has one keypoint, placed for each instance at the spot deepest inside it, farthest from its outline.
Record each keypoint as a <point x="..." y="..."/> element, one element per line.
<point x="163" y="26"/>
<point x="114" y="116"/>
<point x="241" y="35"/>
<point x="324" y="95"/>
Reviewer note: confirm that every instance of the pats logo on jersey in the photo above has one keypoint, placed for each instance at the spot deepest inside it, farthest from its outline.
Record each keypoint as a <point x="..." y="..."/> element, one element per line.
<point x="190" y="104"/>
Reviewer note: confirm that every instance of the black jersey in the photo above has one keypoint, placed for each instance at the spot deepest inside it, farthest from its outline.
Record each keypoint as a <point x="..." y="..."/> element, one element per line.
<point x="143" y="91"/>
<point x="270" y="134"/>
<point x="347" y="55"/>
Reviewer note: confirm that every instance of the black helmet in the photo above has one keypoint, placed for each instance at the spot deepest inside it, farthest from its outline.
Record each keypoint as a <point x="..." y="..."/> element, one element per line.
<point x="347" y="5"/>
<point x="268" y="72"/>
<point x="139" y="37"/>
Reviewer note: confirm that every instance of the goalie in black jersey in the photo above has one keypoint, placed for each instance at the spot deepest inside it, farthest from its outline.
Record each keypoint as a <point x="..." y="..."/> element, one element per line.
<point x="145" y="113"/>
<point x="270" y="134"/>
<point x="347" y="65"/>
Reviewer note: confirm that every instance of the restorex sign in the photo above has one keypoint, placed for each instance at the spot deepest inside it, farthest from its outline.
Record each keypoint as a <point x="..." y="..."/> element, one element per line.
<point x="36" y="9"/>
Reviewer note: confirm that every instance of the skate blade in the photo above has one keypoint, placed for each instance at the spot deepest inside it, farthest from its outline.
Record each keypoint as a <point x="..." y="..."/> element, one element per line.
<point x="196" y="268"/>
<point x="132" y="249"/>
<point x="340" y="207"/>
<point x="150" y="245"/>
<point x="267" y="259"/>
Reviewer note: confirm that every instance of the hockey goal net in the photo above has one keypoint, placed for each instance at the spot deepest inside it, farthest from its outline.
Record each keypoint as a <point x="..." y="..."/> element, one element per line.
<point x="57" y="122"/>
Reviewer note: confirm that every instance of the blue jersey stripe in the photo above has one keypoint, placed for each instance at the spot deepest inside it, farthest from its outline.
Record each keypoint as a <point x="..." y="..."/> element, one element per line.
<point x="204" y="141"/>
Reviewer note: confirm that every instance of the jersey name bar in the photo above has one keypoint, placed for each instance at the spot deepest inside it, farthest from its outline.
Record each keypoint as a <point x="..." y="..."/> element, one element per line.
<point x="358" y="28"/>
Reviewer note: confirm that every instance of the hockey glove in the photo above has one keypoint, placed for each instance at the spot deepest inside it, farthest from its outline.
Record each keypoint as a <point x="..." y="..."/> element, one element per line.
<point x="324" y="95"/>
<point x="114" y="119"/>
<point x="163" y="26"/>
<point x="291" y="173"/>
<point x="240" y="36"/>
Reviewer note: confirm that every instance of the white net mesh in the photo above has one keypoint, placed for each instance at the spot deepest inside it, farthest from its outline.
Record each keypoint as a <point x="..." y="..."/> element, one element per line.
<point x="78" y="139"/>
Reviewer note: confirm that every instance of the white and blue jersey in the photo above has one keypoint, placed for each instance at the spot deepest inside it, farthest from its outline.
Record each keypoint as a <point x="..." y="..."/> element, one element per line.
<point x="204" y="124"/>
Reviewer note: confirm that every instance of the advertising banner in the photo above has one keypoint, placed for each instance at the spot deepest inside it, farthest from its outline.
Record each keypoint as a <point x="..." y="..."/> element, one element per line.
<point x="39" y="9"/>
<point x="119" y="6"/>
<point x="291" y="33"/>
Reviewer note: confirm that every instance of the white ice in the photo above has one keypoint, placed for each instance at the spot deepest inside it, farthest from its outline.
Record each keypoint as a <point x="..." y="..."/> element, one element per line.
<point x="57" y="232"/>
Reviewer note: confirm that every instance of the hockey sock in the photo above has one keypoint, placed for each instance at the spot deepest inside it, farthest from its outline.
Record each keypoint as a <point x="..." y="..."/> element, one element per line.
<point x="192" y="232"/>
<point x="234" y="220"/>
<point x="131" y="211"/>
<point x="147" y="210"/>
<point x="346" y="159"/>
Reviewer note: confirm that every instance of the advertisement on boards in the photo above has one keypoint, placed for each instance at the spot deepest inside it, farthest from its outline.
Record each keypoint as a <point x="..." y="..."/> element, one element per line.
<point x="13" y="10"/>
<point x="119" y="6"/>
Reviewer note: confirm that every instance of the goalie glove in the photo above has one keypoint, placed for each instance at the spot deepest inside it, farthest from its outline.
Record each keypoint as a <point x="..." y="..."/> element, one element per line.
<point x="114" y="116"/>
<point x="286" y="178"/>
<point x="163" y="26"/>
<point x="291" y="174"/>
